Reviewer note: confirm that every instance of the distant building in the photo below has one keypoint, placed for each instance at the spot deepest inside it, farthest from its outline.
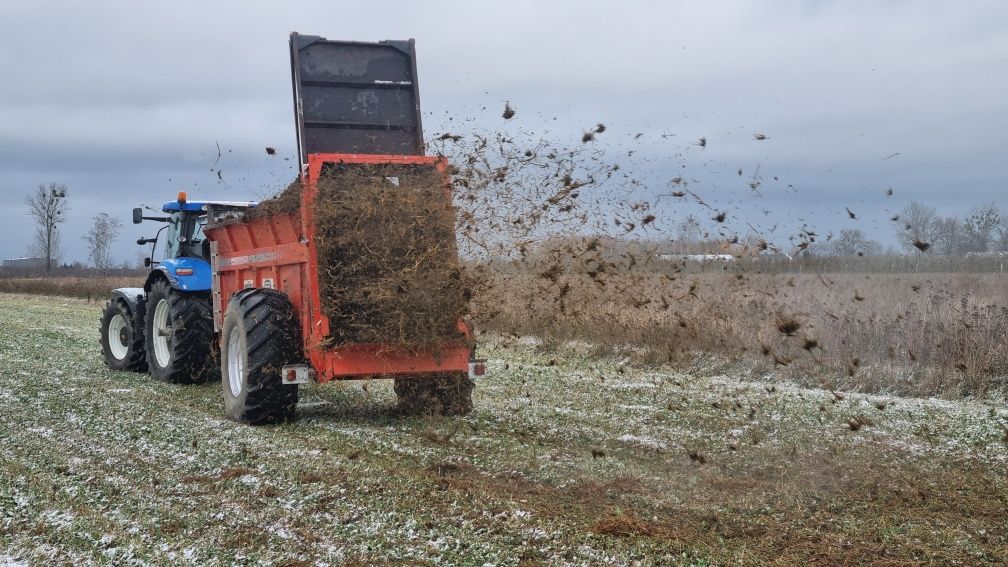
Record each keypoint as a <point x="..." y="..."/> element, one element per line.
<point x="29" y="263"/>
<point x="698" y="257"/>
<point x="768" y="255"/>
<point x="991" y="254"/>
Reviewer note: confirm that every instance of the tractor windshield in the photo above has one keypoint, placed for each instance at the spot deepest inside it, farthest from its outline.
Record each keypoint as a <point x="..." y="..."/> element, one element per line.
<point x="185" y="235"/>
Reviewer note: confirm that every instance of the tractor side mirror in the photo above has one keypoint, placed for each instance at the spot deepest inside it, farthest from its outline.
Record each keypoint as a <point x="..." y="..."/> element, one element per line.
<point x="147" y="262"/>
<point x="137" y="215"/>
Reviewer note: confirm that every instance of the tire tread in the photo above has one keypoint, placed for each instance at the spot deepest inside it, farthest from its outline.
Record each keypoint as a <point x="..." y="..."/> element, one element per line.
<point x="192" y="328"/>
<point x="273" y="339"/>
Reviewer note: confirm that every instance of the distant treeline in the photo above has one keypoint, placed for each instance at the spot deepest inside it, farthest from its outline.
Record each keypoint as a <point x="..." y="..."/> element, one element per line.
<point x="75" y="270"/>
<point x="607" y="255"/>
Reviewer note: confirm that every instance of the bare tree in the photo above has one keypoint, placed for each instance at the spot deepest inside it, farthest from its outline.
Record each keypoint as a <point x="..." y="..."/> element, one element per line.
<point x="948" y="236"/>
<point x="1000" y="243"/>
<point x="48" y="207"/>
<point x="853" y="242"/>
<point x="689" y="233"/>
<point x="100" y="238"/>
<point x="916" y="227"/>
<point x="979" y="228"/>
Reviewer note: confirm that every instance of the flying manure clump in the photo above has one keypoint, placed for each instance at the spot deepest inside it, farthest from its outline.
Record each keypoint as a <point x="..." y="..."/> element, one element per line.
<point x="787" y="324"/>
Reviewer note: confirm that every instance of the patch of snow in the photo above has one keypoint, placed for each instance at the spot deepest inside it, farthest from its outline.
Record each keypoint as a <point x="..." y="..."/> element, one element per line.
<point x="8" y="561"/>
<point x="249" y="479"/>
<point x="620" y="385"/>
<point x="58" y="518"/>
<point x="644" y="441"/>
<point x="529" y="341"/>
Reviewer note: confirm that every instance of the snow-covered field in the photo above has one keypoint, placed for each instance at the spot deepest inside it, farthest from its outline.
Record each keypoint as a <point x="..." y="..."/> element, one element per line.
<point x="566" y="460"/>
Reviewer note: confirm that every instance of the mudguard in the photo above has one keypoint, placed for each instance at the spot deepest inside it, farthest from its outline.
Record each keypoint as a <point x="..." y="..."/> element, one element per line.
<point x="133" y="296"/>
<point x="136" y="301"/>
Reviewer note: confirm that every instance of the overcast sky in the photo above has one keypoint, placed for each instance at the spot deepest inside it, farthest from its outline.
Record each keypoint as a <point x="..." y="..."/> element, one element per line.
<point x="127" y="102"/>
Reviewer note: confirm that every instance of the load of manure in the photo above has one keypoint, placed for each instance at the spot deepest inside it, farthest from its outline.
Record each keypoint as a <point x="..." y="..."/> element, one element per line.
<point x="285" y="202"/>
<point x="388" y="265"/>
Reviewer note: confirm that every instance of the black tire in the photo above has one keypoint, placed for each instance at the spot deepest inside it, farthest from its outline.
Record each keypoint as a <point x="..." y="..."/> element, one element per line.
<point x="188" y="356"/>
<point x="264" y="334"/>
<point x="416" y="396"/>
<point x="122" y="347"/>
<point x="455" y="392"/>
<point x="443" y="394"/>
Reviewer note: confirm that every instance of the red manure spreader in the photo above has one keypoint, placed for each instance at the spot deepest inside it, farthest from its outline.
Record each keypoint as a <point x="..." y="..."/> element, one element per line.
<point x="239" y="291"/>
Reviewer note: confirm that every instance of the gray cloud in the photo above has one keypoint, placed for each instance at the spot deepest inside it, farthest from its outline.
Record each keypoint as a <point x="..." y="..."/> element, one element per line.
<point x="127" y="102"/>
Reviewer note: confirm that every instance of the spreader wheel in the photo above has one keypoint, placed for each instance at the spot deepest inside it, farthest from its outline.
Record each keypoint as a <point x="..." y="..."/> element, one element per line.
<point x="444" y="394"/>
<point x="261" y="334"/>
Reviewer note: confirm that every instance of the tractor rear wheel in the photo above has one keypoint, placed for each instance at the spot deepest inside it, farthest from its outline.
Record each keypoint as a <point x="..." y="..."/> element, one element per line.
<point x="261" y="334"/>
<point x="121" y="340"/>
<point x="443" y="394"/>
<point x="178" y="327"/>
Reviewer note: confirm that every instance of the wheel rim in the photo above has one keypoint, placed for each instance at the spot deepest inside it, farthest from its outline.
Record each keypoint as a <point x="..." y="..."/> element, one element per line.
<point x="162" y="334"/>
<point x="118" y="336"/>
<point x="235" y="364"/>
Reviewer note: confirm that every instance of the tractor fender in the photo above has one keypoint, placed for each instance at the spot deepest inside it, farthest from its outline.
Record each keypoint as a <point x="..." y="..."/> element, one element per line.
<point x="135" y="299"/>
<point x="133" y="296"/>
<point x="159" y="273"/>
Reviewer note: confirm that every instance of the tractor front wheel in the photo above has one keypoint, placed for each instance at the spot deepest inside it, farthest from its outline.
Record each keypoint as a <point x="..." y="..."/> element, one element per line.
<point x="178" y="327"/>
<point x="122" y="344"/>
<point x="261" y="334"/>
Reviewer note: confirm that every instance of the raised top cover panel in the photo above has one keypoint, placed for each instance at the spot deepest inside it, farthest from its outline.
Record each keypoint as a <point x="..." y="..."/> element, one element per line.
<point x="355" y="97"/>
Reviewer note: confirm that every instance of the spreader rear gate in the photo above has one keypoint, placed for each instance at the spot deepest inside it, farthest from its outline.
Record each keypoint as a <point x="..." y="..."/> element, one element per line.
<point x="354" y="97"/>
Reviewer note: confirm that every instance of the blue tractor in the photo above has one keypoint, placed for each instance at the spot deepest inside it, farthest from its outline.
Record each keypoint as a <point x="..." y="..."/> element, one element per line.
<point x="166" y="327"/>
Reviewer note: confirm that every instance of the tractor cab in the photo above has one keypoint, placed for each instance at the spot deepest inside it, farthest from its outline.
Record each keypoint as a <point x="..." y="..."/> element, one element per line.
<point x="186" y="251"/>
<point x="184" y="238"/>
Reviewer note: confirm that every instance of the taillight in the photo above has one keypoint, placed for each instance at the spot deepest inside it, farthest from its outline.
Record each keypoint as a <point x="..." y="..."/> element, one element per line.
<point x="477" y="368"/>
<point x="183" y="272"/>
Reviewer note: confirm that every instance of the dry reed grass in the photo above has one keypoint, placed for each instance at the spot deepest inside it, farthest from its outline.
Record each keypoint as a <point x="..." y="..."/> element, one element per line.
<point x="907" y="334"/>
<point x="929" y="334"/>
<point x="86" y="287"/>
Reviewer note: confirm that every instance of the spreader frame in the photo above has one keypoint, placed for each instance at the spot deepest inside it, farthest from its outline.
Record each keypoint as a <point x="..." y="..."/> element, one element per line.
<point x="279" y="252"/>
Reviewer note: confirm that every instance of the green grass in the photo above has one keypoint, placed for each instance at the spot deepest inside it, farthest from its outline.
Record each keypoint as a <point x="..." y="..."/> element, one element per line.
<point x="566" y="460"/>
